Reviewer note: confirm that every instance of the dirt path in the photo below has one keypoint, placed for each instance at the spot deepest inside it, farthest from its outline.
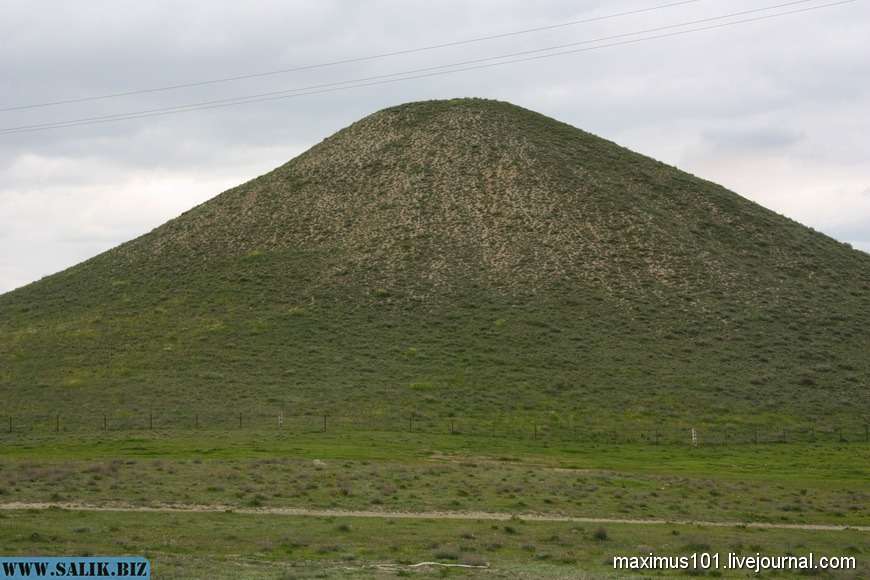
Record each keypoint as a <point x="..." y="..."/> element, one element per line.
<point x="199" y="508"/>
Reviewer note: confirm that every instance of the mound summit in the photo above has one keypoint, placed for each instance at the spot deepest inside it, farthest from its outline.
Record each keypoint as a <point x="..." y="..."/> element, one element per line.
<point x="464" y="256"/>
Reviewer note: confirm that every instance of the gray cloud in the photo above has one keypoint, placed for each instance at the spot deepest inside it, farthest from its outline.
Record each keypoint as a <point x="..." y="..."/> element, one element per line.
<point x="777" y="110"/>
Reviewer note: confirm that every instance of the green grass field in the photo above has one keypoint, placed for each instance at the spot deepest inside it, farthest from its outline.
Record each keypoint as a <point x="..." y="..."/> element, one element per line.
<point x="822" y="483"/>
<point x="232" y="545"/>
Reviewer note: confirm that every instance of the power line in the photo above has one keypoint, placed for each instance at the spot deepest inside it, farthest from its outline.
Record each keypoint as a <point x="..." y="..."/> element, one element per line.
<point x="409" y="75"/>
<point x="346" y="60"/>
<point x="304" y="90"/>
<point x="362" y="82"/>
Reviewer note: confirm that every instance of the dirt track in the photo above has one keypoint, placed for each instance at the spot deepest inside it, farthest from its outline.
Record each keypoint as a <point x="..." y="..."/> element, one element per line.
<point x="199" y="508"/>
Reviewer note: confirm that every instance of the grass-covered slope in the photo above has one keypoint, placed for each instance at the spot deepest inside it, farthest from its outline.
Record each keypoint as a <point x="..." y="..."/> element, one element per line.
<point x="466" y="257"/>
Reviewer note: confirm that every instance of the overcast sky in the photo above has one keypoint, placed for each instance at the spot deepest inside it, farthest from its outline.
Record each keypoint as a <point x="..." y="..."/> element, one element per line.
<point x="777" y="110"/>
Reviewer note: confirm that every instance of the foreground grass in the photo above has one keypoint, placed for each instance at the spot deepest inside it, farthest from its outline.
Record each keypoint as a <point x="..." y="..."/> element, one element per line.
<point x="827" y="461"/>
<point x="231" y="545"/>
<point x="822" y="483"/>
<point x="784" y="483"/>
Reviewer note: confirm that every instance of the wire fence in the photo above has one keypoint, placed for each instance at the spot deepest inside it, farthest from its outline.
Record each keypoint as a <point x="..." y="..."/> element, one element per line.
<point x="508" y="427"/>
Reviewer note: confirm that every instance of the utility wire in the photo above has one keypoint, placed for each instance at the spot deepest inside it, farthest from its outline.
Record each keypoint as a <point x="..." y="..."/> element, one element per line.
<point x="346" y="60"/>
<point x="289" y="92"/>
<point x="408" y="75"/>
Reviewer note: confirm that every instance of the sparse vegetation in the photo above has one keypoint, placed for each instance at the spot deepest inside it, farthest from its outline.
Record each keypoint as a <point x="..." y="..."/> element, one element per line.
<point x="248" y="546"/>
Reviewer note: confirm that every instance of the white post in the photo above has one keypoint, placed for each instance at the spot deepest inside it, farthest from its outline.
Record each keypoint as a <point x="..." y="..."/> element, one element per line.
<point x="694" y="437"/>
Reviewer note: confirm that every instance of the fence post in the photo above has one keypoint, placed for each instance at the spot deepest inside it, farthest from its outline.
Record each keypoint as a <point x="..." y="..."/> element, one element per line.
<point x="657" y="437"/>
<point x="150" y="420"/>
<point x="324" y="423"/>
<point x="867" y="433"/>
<point x="10" y="423"/>
<point x="452" y="429"/>
<point x="240" y="420"/>
<point x="411" y="423"/>
<point x="535" y="431"/>
<point x="57" y="423"/>
<point x="196" y="421"/>
<point x="755" y="436"/>
<point x="105" y="423"/>
<point x="840" y="433"/>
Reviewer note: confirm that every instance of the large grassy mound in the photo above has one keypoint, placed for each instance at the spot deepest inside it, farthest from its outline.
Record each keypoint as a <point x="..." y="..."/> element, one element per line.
<point x="466" y="257"/>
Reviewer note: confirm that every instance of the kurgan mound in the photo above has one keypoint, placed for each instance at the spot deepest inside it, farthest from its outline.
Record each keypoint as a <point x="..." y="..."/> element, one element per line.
<point x="467" y="257"/>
